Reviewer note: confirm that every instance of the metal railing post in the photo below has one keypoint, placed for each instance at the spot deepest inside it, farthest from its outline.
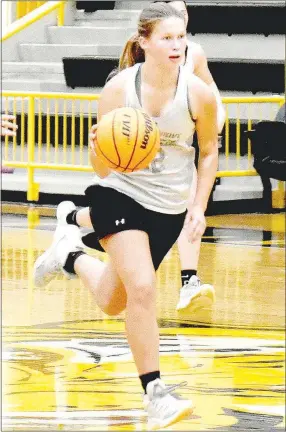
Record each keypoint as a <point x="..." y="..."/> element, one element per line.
<point x="33" y="188"/>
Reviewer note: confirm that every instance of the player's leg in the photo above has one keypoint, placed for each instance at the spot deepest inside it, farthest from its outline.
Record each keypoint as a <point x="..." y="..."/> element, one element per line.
<point x="193" y="292"/>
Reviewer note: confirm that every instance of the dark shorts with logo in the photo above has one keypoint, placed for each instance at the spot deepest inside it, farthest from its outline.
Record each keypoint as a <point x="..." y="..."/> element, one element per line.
<point x="112" y="212"/>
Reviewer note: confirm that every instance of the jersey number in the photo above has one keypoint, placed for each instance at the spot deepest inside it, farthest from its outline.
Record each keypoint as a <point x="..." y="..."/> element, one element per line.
<point x="157" y="165"/>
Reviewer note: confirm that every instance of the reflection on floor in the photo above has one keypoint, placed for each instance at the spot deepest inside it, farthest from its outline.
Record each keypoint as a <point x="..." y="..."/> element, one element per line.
<point x="66" y="366"/>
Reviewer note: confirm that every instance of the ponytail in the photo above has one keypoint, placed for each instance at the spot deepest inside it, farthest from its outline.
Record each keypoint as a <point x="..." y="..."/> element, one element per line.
<point x="132" y="53"/>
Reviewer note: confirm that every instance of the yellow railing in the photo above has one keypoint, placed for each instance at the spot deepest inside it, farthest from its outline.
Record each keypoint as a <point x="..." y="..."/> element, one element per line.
<point x="31" y="16"/>
<point x="53" y="133"/>
<point x="48" y="133"/>
<point x="267" y="110"/>
<point x="24" y="7"/>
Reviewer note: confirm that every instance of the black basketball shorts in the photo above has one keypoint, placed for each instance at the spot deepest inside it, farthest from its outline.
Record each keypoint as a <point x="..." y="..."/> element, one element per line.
<point x="112" y="211"/>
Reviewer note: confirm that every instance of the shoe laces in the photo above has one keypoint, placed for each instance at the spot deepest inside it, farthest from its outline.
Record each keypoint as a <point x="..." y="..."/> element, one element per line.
<point x="193" y="283"/>
<point x="170" y="389"/>
<point x="55" y="267"/>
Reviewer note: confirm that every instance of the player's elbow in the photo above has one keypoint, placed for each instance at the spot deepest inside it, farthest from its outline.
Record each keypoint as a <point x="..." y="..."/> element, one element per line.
<point x="210" y="151"/>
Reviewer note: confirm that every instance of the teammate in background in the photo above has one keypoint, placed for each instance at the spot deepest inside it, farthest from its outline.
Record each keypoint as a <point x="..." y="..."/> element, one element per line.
<point x="8" y="128"/>
<point x="151" y="202"/>
<point x="192" y="288"/>
<point x="8" y="125"/>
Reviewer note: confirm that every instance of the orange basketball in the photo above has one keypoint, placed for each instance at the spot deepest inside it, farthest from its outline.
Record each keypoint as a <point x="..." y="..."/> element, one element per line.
<point x="127" y="140"/>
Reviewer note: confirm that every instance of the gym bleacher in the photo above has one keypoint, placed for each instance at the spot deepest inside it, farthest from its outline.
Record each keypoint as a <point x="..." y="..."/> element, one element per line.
<point x="244" y="43"/>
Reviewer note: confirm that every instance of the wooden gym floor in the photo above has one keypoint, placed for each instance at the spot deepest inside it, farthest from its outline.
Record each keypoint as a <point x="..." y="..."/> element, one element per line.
<point x="67" y="367"/>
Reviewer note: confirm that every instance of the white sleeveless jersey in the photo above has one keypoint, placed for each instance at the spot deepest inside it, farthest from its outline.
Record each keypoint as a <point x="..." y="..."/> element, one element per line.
<point x="165" y="184"/>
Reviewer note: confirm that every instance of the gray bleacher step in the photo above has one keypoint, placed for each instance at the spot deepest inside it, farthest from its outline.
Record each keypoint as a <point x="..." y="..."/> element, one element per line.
<point x="34" y="85"/>
<point x="107" y="15"/>
<point x="112" y="23"/>
<point x="238" y="94"/>
<point x="58" y="87"/>
<point x="226" y="182"/>
<point x="45" y="86"/>
<point x="57" y="183"/>
<point x="34" y="76"/>
<point x="32" y="67"/>
<point x="89" y="35"/>
<point x="238" y="47"/>
<point x="131" y="5"/>
<point x="233" y="195"/>
<point x="56" y="52"/>
<point x="242" y="47"/>
<point x="240" y="187"/>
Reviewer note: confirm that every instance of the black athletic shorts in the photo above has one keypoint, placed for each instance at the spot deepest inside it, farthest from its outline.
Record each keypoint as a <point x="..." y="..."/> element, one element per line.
<point x="112" y="212"/>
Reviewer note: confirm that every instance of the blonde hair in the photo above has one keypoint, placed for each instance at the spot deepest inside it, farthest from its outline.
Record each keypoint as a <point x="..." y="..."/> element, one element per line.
<point x="132" y="52"/>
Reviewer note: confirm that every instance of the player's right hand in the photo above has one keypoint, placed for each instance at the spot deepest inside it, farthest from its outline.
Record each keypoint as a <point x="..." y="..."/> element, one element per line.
<point x="8" y="125"/>
<point x="92" y="137"/>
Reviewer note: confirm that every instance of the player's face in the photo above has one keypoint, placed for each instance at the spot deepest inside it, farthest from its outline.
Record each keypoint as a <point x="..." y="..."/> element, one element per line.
<point x="167" y="43"/>
<point x="181" y="7"/>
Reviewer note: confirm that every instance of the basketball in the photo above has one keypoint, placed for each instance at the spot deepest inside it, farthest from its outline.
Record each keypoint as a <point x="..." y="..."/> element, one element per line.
<point x="128" y="139"/>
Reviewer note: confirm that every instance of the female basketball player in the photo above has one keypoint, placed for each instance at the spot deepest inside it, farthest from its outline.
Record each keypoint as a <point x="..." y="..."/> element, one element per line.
<point x="192" y="293"/>
<point x="139" y="216"/>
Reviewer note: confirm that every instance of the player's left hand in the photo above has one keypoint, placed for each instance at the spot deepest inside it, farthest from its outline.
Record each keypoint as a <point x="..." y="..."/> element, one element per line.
<point x="196" y="223"/>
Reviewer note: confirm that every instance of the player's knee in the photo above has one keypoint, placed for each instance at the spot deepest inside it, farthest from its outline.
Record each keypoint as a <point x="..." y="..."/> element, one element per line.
<point x="142" y="291"/>
<point x="115" y="304"/>
<point x="114" y="309"/>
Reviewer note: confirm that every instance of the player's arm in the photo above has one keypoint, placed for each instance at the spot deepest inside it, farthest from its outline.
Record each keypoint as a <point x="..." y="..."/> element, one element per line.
<point x="202" y="71"/>
<point x="112" y="97"/>
<point x="204" y="110"/>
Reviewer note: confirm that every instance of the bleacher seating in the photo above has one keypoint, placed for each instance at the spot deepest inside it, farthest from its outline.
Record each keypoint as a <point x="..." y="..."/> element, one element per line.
<point x="244" y="42"/>
<point x="244" y="45"/>
<point x="264" y="20"/>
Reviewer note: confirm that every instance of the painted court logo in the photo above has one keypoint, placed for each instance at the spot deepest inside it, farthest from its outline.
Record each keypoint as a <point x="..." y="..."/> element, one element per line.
<point x="223" y="372"/>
